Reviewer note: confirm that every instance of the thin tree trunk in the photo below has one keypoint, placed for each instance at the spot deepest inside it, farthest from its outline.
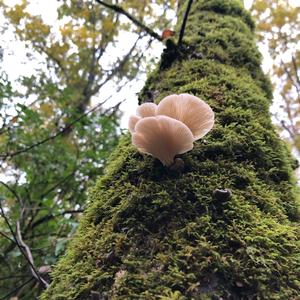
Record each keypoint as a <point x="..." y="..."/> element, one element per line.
<point x="150" y="233"/>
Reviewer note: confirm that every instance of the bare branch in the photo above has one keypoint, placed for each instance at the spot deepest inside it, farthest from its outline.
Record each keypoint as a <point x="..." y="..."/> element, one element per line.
<point x="295" y="69"/>
<point x="292" y="79"/>
<point x="37" y="276"/>
<point x="135" y="21"/>
<point x="283" y="124"/>
<point x="182" y="29"/>
<point x="118" y="68"/>
<point x="30" y="257"/>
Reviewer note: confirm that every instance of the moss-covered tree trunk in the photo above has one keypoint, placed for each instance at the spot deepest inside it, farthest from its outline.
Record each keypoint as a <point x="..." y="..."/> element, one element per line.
<point x="150" y="233"/>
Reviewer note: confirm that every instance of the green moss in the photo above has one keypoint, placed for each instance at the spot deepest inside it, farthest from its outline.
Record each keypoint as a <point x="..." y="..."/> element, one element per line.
<point x="232" y="8"/>
<point x="149" y="233"/>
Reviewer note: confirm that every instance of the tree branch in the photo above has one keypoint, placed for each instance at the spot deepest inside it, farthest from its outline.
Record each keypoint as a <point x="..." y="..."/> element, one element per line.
<point x="283" y="124"/>
<point x="53" y="136"/>
<point x="34" y="271"/>
<point x="13" y="276"/>
<point x="13" y="192"/>
<point x="295" y="69"/>
<point x="135" y="21"/>
<point x="65" y="179"/>
<point x="16" y="289"/>
<point x="291" y="79"/>
<point x="117" y="69"/>
<point x="182" y="29"/>
<point x="50" y="217"/>
<point x="30" y="257"/>
<point x="6" y="236"/>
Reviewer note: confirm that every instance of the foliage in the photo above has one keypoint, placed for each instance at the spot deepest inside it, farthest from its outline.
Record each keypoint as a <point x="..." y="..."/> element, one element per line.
<point x="152" y="233"/>
<point x="52" y="144"/>
<point x="278" y="28"/>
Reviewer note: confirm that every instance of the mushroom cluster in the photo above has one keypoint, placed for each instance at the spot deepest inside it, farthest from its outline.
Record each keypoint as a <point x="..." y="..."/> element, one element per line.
<point x="171" y="127"/>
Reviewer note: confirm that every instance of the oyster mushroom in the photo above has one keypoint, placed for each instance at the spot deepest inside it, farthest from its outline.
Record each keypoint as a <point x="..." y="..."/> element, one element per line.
<point x="171" y="127"/>
<point x="162" y="137"/>
<point x="192" y="111"/>
<point x="147" y="109"/>
<point x="132" y="122"/>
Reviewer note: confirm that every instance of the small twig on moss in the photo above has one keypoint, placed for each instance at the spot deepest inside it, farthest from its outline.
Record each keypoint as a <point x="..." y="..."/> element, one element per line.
<point x="135" y="21"/>
<point x="182" y="29"/>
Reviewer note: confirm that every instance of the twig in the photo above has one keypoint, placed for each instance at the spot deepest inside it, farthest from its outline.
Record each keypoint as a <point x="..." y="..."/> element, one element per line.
<point x="182" y="29"/>
<point x="60" y="132"/>
<point x="135" y="21"/>
<point x="283" y="124"/>
<point x="30" y="257"/>
<point x="296" y="69"/>
<point x="6" y="236"/>
<point x="286" y="127"/>
<point x="20" y="246"/>
<point x="118" y="68"/>
<point x="50" y="217"/>
<point x="16" y="289"/>
<point x="65" y="179"/>
<point x="12" y="191"/>
<point x="291" y="79"/>
<point x="13" y="276"/>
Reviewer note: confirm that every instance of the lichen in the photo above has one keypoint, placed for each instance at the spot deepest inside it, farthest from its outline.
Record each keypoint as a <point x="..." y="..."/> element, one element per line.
<point x="150" y="233"/>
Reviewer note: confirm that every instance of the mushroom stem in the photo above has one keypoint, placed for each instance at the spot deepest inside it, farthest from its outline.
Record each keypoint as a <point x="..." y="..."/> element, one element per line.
<point x="178" y="165"/>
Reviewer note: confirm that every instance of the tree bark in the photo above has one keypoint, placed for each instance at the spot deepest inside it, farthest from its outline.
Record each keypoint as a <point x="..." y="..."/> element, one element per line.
<point x="223" y="228"/>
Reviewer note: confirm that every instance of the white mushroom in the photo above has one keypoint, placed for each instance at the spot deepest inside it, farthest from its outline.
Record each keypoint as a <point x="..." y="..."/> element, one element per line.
<point x="192" y="111"/>
<point x="132" y="122"/>
<point x="162" y="137"/>
<point x="147" y="109"/>
<point x="144" y="110"/>
<point x="169" y="128"/>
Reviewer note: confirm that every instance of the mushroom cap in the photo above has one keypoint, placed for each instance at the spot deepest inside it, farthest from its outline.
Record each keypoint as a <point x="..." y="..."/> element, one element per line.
<point x="192" y="111"/>
<point x="143" y="111"/>
<point x="162" y="137"/>
<point x="132" y="122"/>
<point x="147" y="109"/>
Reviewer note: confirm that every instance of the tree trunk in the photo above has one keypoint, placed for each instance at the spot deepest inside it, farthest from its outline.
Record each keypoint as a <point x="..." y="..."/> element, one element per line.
<point x="150" y="233"/>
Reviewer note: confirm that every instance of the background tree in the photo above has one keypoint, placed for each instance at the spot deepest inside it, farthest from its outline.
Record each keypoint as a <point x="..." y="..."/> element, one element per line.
<point x="278" y="28"/>
<point x="227" y="225"/>
<point x="53" y="142"/>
